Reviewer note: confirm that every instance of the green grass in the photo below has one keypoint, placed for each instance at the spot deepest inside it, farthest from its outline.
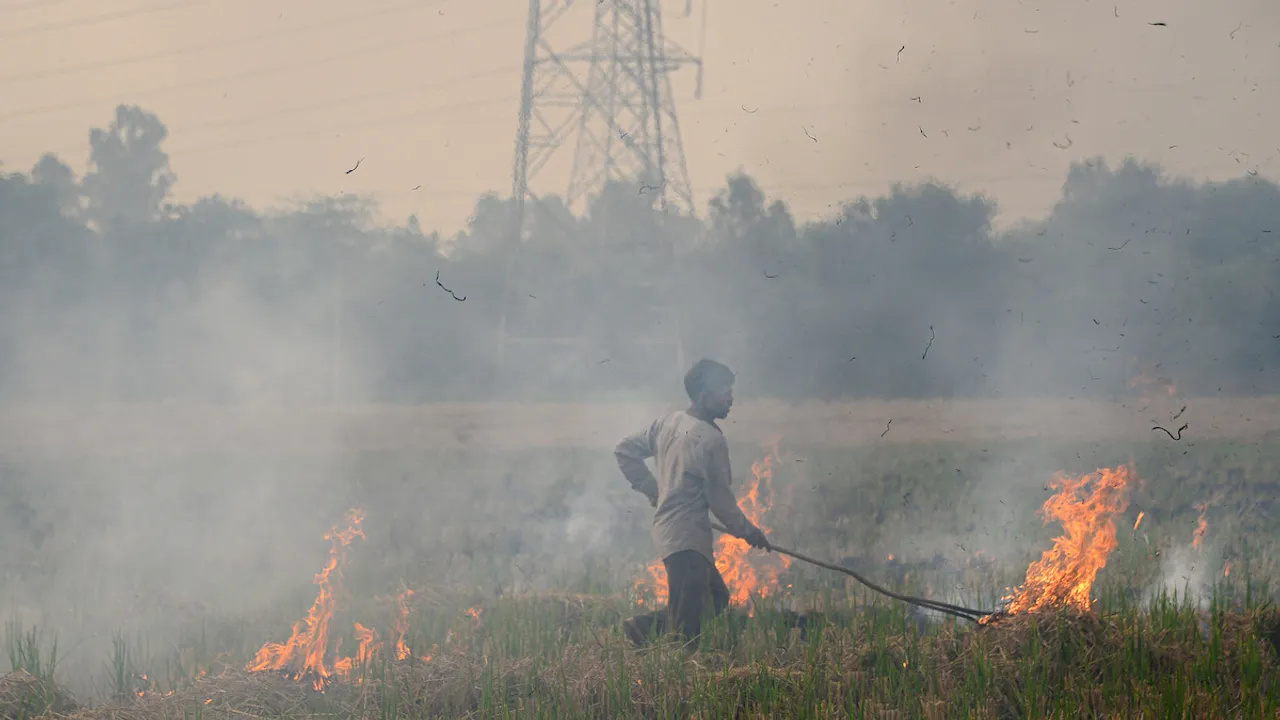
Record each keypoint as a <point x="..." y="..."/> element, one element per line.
<point x="484" y="533"/>
<point x="542" y="657"/>
<point x="30" y="689"/>
<point x="27" y="651"/>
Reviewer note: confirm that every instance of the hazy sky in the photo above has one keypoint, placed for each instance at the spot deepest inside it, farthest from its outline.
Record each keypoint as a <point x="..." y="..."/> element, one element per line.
<point x="269" y="99"/>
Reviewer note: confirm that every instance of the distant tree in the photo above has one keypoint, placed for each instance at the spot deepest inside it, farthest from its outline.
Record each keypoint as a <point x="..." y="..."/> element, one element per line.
<point x="129" y="178"/>
<point x="52" y="173"/>
<point x="108" y="290"/>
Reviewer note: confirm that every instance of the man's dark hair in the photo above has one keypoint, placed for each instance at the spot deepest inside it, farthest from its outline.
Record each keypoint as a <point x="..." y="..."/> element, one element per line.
<point x="706" y="375"/>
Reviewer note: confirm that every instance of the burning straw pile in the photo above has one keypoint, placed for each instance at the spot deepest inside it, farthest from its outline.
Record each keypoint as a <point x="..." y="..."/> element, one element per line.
<point x="1063" y="577"/>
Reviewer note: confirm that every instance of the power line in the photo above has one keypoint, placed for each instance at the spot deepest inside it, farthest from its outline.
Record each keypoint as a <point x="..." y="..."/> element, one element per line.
<point x="28" y="4"/>
<point x="106" y="17"/>
<point x="357" y="51"/>
<point x="325" y="104"/>
<point x="985" y="95"/>
<point x="413" y="116"/>
<point x="868" y="187"/>
<point x="191" y="50"/>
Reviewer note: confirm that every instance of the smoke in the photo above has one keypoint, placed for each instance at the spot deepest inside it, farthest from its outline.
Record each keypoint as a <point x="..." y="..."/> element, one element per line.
<point x="1186" y="575"/>
<point x="139" y="337"/>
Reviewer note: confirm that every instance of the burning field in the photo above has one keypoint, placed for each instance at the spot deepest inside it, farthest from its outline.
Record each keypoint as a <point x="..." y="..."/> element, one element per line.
<point x="1088" y="624"/>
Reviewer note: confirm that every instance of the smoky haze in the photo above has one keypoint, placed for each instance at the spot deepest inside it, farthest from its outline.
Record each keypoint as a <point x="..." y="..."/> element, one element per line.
<point x="115" y="297"/>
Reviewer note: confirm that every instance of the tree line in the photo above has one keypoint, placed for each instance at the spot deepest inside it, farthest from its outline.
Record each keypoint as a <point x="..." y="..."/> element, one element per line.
<point x="1134" y="283"/>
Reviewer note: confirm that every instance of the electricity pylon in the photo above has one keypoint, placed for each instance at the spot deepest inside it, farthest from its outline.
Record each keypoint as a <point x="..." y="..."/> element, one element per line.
<point x="610" y="98"/>
<point x="615" y="91"/>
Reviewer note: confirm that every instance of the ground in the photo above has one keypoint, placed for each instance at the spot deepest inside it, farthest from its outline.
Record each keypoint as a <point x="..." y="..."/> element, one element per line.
<point x="170" y="542"/>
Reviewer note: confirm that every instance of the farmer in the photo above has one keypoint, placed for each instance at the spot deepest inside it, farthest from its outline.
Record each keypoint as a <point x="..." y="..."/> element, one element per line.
<point x="692" y="459"/>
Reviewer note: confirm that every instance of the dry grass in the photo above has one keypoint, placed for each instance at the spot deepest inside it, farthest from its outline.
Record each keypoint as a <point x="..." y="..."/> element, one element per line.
<point x="561" y="655"/>
<point x="1167" y="661"/>
<point x="23" y="695"/>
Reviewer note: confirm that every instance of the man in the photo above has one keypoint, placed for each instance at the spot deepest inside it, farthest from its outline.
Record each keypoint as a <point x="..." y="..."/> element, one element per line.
<point x="692" y="460"/>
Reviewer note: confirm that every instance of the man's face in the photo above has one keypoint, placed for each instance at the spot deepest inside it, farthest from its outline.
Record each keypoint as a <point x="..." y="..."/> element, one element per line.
<point x="717" y="402"/>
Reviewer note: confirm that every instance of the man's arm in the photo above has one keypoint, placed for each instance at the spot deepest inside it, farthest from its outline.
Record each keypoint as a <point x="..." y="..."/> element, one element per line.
<point x="720" y="496"/>
<point x="631" y="452"/>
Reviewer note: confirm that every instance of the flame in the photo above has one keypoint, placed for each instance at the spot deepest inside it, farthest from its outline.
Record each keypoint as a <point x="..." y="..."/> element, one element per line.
<point x="369" y="646"/>
<point x="656" y="581"/>
<point x="401" y="626"/>
<point x="1226" y="570"/>
<point x="731" y="559"/>
<point x="150" y="688"/>
<point x="745" y="574"/>
<point x="475" y="612"/>
<point x="1064" y="574"/>
<point x="1201" y="526"/>
<point x="303" y="654"/>
<point x="1138" y="522"/>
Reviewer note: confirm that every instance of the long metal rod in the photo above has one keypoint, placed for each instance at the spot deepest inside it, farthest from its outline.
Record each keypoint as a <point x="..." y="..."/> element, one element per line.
<point x="956" y="610"/>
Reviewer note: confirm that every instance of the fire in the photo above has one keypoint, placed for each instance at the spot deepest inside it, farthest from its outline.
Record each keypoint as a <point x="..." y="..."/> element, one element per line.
<point x="745" y="574"/>
<point x="148" y="687"/>
<point x="401" y="626"/>
<point x="744" y="578"/>
<point x="369" y="646"/>
<point x="303" y="655"/>
<point x="306" y="653"/>
<point x="1065" y="573"/>
<point x="656" y="580"/>
<point x="1138" y="522"/>
<point x="1201" y="526"/>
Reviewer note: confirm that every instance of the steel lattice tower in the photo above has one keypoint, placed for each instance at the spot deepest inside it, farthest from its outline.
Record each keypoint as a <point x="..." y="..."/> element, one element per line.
<point x="614" y="93"/>
<point x="610" y="98"/>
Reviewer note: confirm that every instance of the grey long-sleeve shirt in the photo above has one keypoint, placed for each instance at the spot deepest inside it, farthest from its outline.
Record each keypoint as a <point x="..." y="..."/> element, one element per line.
<point x="692" y="460"/>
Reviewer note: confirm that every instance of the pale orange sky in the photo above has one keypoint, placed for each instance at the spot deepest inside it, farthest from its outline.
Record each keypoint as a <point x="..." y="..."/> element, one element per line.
<point x="271" y="99"/>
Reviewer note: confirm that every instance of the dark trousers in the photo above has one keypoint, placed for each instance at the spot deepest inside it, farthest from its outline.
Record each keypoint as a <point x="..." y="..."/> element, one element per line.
<point x="694" y="586"/>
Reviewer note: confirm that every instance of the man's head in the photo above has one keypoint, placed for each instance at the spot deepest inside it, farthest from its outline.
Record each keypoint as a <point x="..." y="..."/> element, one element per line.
<point x="710" y="387"/>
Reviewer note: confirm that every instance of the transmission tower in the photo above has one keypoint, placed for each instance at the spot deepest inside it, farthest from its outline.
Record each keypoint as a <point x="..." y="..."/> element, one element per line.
<point x="597" y="78"/>
<point x="613" y="92"/>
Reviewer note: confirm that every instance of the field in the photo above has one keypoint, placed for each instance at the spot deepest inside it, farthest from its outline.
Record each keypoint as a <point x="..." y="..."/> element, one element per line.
<point x="152" y="554"/>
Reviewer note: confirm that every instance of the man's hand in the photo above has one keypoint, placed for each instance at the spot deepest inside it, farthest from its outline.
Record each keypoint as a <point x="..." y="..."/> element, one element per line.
<point x="756" y="539"/>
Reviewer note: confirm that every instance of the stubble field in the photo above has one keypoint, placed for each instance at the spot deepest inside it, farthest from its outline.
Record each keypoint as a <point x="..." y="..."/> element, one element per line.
<point x="164" y="548"/>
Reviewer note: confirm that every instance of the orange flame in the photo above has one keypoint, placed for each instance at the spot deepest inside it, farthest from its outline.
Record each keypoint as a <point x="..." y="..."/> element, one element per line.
<point x="1138" y="522"/>
<point x="150" y="688"/>
<point x="747" y="578"/>
<point x="745" y="574"/>
<point x="401" y="626"/>
<point x="1201" y="526"/>
<point x="1065" y="573"/>
<point x="656" y="581"/>
<point x="369" y="645"/>
<point x="303" y="655"/>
